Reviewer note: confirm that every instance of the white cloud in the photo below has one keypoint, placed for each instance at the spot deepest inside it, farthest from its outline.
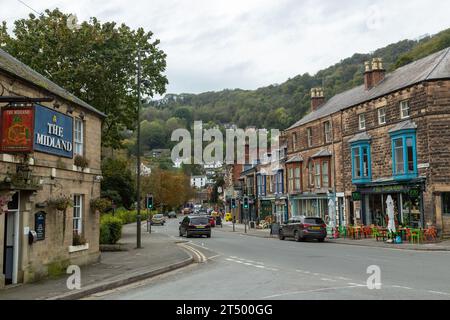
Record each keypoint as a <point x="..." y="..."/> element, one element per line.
<point x="212" y="45"/>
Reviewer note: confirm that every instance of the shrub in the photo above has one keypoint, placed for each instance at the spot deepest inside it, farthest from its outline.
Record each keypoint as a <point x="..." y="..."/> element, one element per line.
<point x="110" y="229"/>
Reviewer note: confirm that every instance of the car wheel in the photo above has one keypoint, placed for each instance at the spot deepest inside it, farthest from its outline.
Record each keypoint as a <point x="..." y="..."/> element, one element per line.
<point x="208" y="236"/>
<point x="281" y="237"/>
<point x="297" y="236"/>
<point x="321" y="240"/>
<point x="188" y="235"/>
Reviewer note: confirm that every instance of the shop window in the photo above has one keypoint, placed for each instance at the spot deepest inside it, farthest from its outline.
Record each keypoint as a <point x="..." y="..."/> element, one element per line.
<point x="78" y="214"/>
<point x="78" y="137"/>
<point x="446" y="203"/>
<point x="404" y="155"/>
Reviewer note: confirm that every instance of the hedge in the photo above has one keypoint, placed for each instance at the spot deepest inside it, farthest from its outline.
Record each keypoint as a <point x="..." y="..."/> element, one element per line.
<point x="110" y="230"/>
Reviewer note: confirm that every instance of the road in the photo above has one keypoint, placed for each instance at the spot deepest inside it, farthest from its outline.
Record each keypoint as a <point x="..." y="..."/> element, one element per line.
<point x="239" y="267"/>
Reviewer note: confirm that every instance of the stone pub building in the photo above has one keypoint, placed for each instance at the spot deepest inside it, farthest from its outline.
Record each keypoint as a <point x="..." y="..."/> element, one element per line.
<point x="49" y="173"/>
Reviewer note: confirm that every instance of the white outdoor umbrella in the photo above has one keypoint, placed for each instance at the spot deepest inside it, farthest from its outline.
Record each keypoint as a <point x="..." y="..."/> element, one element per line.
<point x="332" y="213"/>
<point x="390" y="212"/>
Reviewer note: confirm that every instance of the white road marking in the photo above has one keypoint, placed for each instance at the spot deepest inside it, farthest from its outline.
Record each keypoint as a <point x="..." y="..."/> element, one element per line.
<point x="400" y="287"/>
<point x="329" y="280"/>
<point x="440" y="293"/>
<point x="260" y="267"/>
<point x="357" y="285"/>
<point x="308" y="291"/>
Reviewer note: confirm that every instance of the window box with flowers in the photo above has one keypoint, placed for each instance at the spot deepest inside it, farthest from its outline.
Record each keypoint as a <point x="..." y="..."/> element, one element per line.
<point x="81" y="163"/>
<point x="78" y="243"/>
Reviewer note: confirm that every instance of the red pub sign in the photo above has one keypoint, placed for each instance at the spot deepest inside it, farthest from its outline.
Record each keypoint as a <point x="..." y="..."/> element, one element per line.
<point x="17" y="130"/>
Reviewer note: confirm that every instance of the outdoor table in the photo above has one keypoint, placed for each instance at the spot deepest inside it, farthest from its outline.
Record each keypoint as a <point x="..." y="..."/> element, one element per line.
<point x="357" y="231"/>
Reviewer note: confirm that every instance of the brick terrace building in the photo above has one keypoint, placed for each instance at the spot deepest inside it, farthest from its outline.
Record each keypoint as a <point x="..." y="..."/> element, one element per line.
<point x="390" y="136"/>
<point x="61" y="129"/>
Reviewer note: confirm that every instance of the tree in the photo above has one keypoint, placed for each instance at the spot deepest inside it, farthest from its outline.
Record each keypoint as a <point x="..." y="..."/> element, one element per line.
<point x="118" y="183"/>
<point x="96" y="62"/>
<point x="170" y="189"/>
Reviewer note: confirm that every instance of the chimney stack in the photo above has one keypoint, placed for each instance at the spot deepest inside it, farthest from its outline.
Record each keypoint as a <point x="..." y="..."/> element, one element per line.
<point x="317" y="98"/>
<point x="374" y="73"/>
<point x="378" y="71"/>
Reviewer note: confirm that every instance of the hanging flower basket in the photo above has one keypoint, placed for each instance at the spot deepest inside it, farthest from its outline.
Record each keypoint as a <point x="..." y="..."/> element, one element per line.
<point x="101" y="205"/>
<point x="60" y="203"/>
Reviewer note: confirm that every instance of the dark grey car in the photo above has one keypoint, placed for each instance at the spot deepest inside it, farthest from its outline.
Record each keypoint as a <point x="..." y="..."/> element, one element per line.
<point x="195" y="226"/>
<point x="303" y="228"/>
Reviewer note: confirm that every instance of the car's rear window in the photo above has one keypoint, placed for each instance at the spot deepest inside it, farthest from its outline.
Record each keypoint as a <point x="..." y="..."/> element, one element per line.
<point x="158" y="216"/>
<point x="199" y="220"/>
<point x="314" y="221"/>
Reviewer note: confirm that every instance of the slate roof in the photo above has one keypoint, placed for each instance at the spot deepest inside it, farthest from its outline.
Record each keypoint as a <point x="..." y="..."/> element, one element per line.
<point x="295" y="159"/>
<point x="13" y="66"/>
<point x="322" y="153"/>
<point x="360" y="137"/>
<point x="432" y="67"/>
<point x="405" y="125"/>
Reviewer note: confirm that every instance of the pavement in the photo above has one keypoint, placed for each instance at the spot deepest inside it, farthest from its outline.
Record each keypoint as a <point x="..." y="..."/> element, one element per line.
<point x="160" y="254"/>
<point x="257" y="268"/>
<point x="370" y="242"/>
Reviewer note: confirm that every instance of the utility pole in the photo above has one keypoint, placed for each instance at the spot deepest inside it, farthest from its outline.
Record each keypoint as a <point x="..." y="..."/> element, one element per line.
<point x="138" y="231"/>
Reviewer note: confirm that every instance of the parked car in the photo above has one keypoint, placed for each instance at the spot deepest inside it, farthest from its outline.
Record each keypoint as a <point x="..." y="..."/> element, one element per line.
<point x="187" y="211"/>
<point x="158" y="219"/>
<point x="172" y="214"/>
<point x="303" y="228"/>
<point x="195" y="226"/>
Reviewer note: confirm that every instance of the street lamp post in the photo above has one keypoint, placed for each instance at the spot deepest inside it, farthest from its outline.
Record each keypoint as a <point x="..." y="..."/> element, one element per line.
<point x="138" y="230"/>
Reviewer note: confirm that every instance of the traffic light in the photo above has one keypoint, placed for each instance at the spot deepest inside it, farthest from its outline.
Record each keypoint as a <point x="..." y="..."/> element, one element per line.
<point x="246" y="206"/>
<point x="149" y="202"/>
<point x="233" y="203"/>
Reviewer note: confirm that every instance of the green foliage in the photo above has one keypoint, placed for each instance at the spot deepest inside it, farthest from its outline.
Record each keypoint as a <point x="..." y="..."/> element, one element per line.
<point x="60" y="203"/>
<point x="78" y="240"/>
<point x="118" y="183"/>
<point x="110" y="229"/>
<point x="81" y="162"/>
<point x="100" y="204"/>
<point x="96" y="63"/>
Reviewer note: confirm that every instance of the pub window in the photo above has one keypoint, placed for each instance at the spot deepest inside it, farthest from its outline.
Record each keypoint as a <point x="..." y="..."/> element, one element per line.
<point x="404" y="155"/>
<point x="79" y="140"/>
<point x="309" y="136"/>
<point x="382" y="116"/>
<point x="78" y="214"/>
<point x="446" y="203"/>
<point x="362" y="122"/>
<point x="327" y="129"/>
<point x="404" y="109"/>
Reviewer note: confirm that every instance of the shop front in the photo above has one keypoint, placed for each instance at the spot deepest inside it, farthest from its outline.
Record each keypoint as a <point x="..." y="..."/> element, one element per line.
<point x="281" y="210"/>
<point x="310" y="205"/>
<point x="369" y="203"/>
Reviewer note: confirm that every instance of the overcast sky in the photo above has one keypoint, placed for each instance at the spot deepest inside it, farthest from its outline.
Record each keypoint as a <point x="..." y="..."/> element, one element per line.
<point x="217" y="44"/>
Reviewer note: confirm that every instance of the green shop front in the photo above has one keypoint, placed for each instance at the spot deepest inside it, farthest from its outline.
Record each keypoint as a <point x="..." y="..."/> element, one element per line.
<point x="369" y="203"/>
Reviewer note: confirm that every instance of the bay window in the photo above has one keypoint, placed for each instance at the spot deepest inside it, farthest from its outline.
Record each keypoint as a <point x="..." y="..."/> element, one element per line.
<point x="322" y="173"/>
<point x="404" y="154"/>
<point x="361" y="162"/>
<point x="294" y="178"/>
<point x="311" y="173"/>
